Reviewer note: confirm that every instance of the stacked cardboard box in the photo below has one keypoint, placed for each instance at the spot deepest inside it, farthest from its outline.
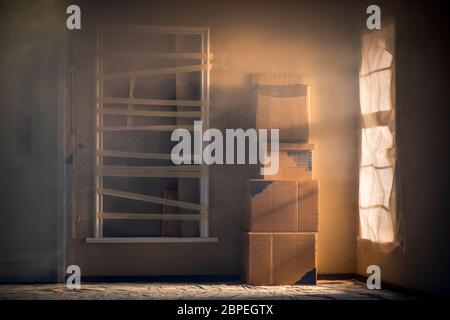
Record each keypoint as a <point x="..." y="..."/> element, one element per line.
<point x="295" y="162"/>
<point x="281" y="216"/>
<point x="273" y="258"/>
<point x="281" y="206"/>
<point x="282" y="102"/>
<point x="281" y="222"/>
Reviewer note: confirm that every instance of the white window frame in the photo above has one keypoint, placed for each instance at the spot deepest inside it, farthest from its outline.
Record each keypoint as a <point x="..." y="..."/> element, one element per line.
<point x="202" y="173"/>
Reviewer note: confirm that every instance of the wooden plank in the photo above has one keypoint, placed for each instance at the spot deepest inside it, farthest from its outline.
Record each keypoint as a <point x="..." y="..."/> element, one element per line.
<point x="169" y="114"/>
<point x="157" y="55"/>
<point x="134" y="155"/>
<point x="173" y="168"/>
<point x="158" y="102"/>
<point x="170" y="228"/>
<point x="153" y="174"/>
<point x="145" y="174"/>
<point x="144" y="128"/>
<point x="152" y="29"/>
<point x="153" y="72"/>
<point x="98" y="226"/>
<point x="151" y="216"/>
<point x="149" y="172"/>
<point x="151" y="240"/>
<point x="204" y="181"/>
<point x="152" y="199"/>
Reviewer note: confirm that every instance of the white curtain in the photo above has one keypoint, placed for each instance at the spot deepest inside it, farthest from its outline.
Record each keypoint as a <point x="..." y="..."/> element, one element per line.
<point x="377" y="214"/>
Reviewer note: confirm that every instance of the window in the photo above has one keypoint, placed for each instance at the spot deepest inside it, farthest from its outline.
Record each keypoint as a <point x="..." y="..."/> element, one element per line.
<point x="150" y="81"/>
<point x="378" y="221"/>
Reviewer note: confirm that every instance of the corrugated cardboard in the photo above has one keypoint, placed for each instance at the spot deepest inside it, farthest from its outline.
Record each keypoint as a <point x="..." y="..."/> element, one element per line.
<point x="281" y="206"/>
<point x="279" y="258"/>
<point x="273" y="206"/>
<point x="293" y="165"/>
<point x="257" y="258"/>
<point x="308" y="206"/>
<point x="285" y="108"/>
<point x="295" y="161"/>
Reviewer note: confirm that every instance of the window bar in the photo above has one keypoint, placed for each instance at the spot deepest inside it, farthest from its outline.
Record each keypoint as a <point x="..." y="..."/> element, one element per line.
<point x="98" y="231"/>
<point x="204" y="180"/>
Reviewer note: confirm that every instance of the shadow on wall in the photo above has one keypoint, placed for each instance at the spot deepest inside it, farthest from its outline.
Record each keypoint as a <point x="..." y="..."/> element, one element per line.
<point x="231" y="108"/>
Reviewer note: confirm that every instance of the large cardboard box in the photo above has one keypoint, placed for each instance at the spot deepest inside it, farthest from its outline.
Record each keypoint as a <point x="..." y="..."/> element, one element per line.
<point x="281" y="206"/>
<point x="283" y="107"/>
<point x="295" y="162"/>
<point x="279" y="258"/>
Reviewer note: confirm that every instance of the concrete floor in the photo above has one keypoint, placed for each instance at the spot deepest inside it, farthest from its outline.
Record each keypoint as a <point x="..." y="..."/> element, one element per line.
<point x="325" y="290"/>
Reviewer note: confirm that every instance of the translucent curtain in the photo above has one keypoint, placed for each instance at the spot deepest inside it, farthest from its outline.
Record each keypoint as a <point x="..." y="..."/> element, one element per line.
<point x="377" y="213"/>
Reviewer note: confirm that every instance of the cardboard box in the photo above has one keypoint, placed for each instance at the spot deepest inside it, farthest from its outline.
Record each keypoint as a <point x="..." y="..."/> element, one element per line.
<point x="295" y="162"/>
<point x="279" y="258"/>
<point x="283" y="107"/>
<point x="308" y="206"/>
<point x="276" y="79"/>
<point x="281" y="206"/>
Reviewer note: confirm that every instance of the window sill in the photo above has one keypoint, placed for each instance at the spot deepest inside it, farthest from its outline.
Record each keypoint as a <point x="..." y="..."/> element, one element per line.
<point x="151" y="240"/>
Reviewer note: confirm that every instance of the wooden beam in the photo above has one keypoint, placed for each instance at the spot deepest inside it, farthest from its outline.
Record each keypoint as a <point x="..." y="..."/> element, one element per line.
<point x="134" y="155"/>
<point x="151" y="216"/>
<point x="144" y="128"/>
<point x="150" y="172"/>
<point x="152" y="29"/>
<point x="153" y="72"/>
<point x="98" y="225"/>
<point x="151" y="240"/>
<point x="152" y="199"/>
<point x="157" y="102"/>
<point x="169" y="114"/>
<point x="204" y="180"/>
<point x="156" y="55"/>
<point x="173" y="168"/>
